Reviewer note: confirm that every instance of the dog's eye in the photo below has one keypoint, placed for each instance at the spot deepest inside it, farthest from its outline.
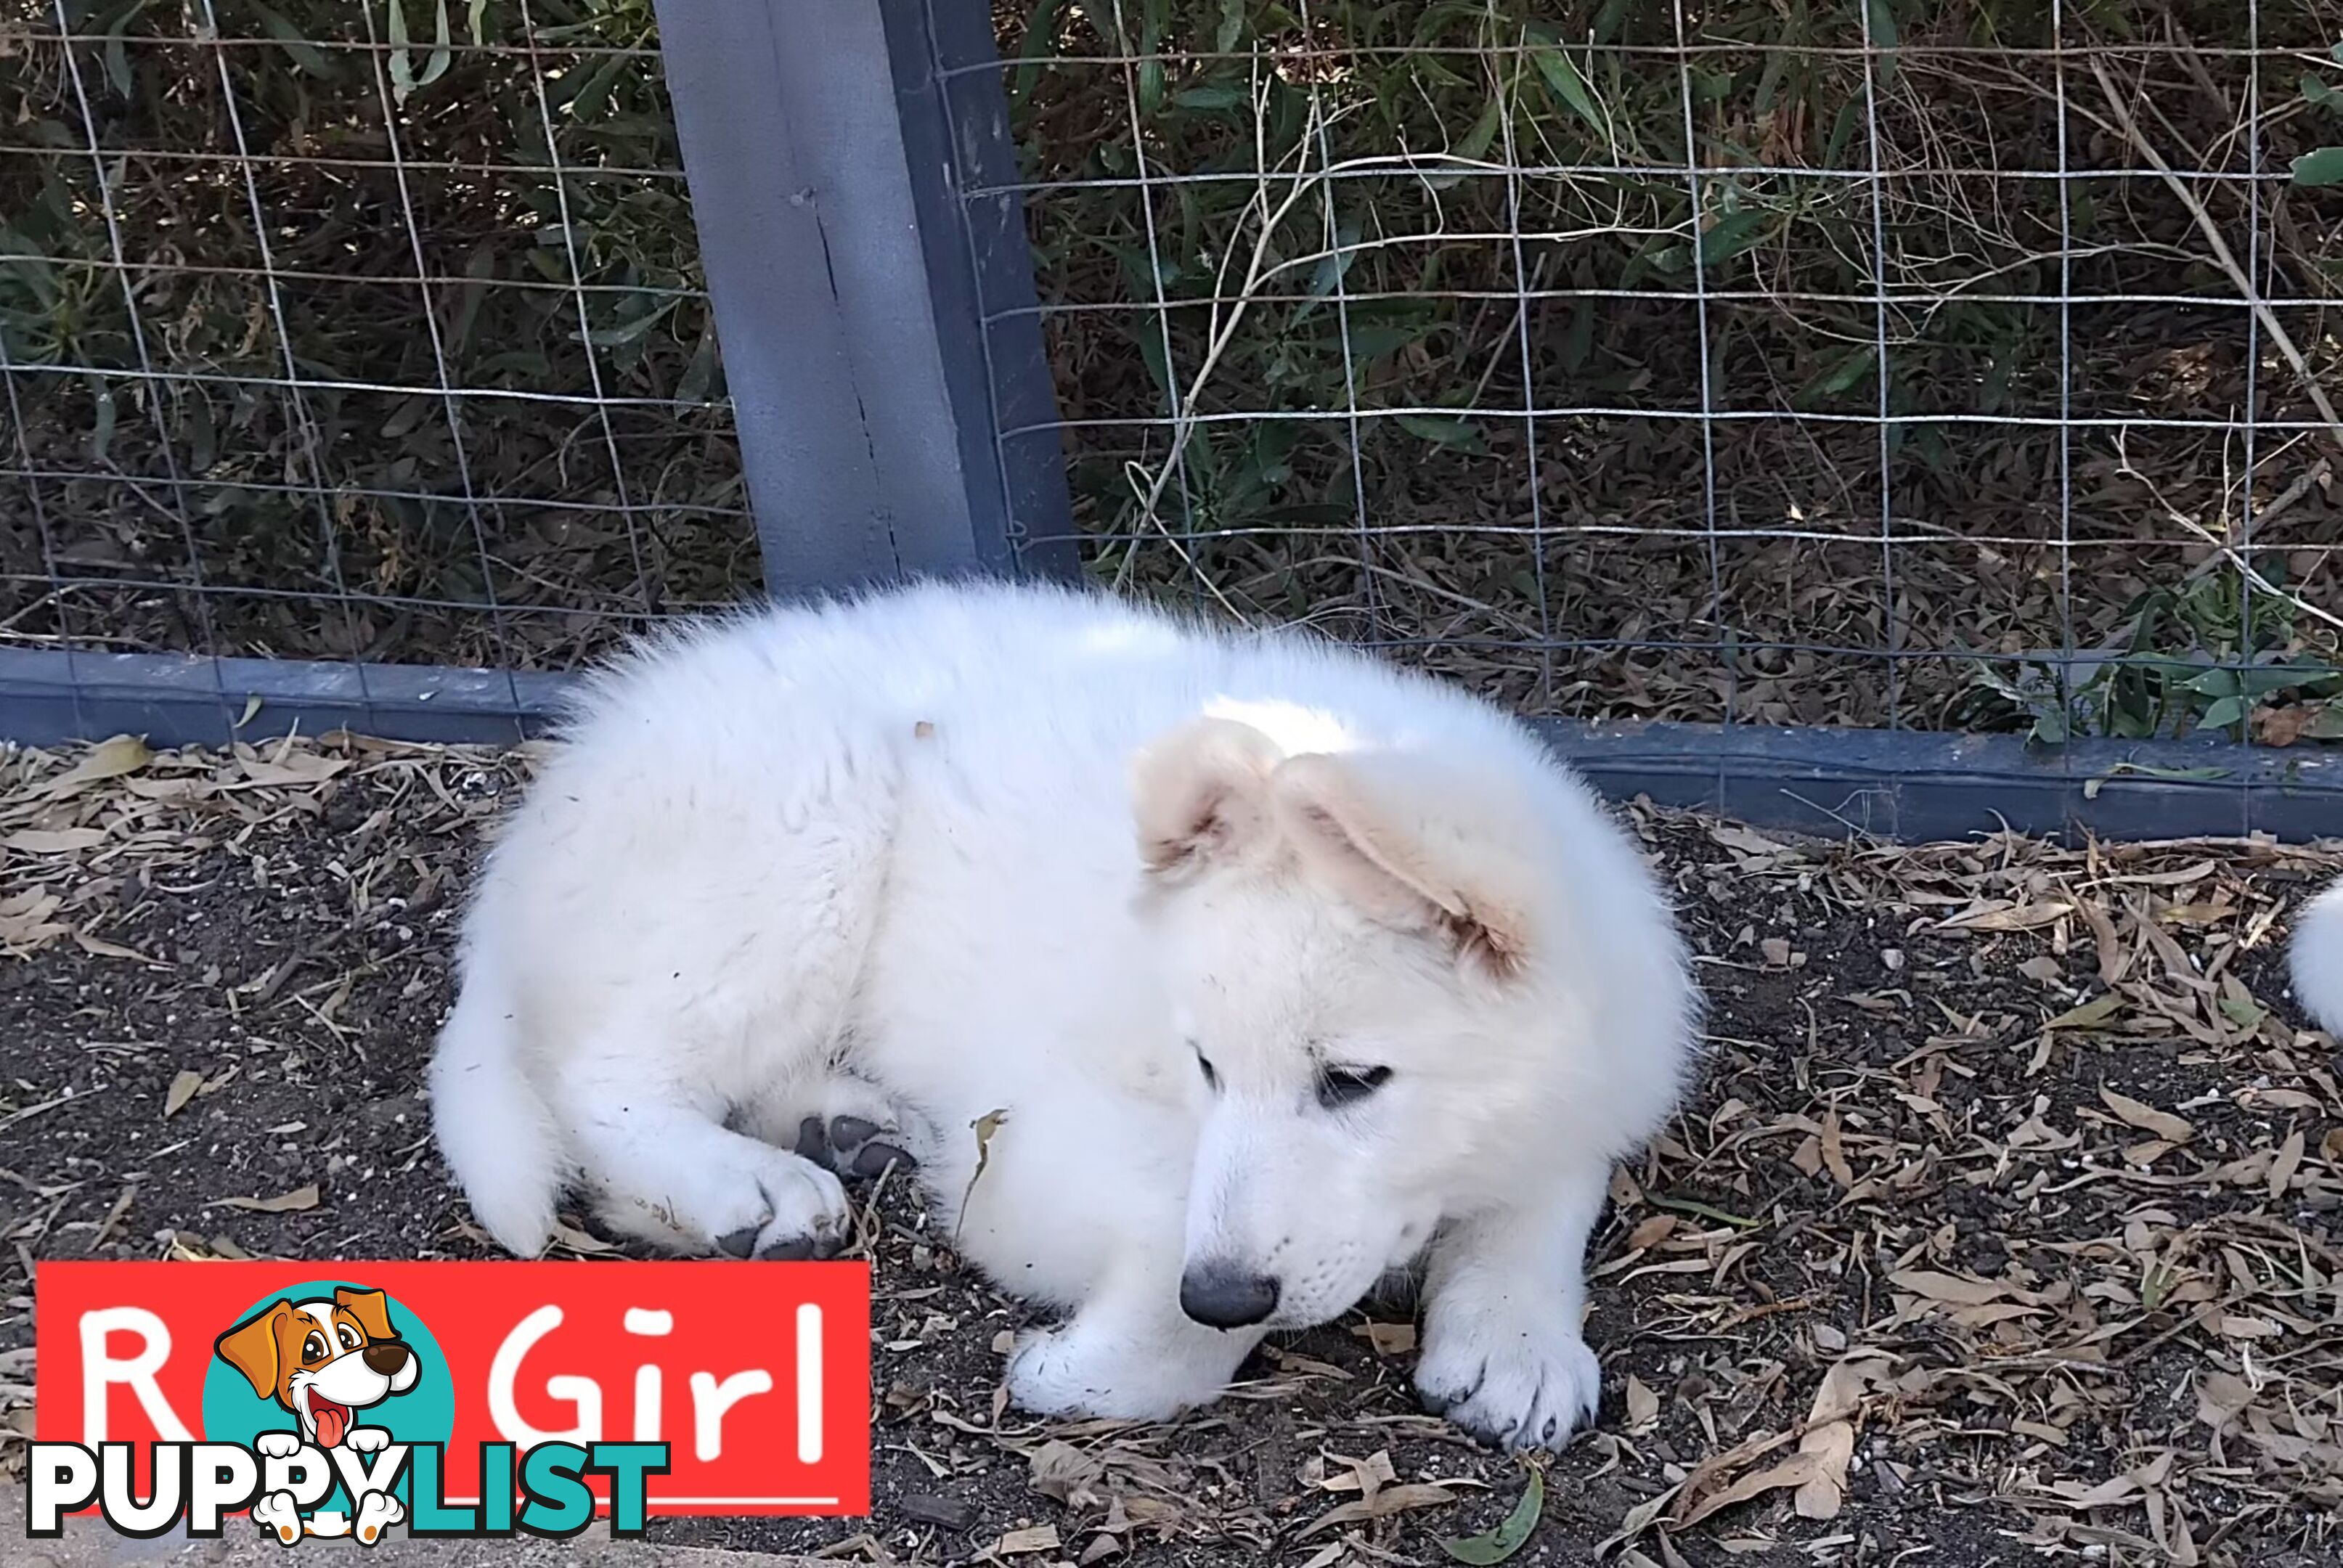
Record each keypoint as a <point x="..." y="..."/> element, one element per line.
<point x="313" y="1349"/>
<point x="1341" y="1086"/>
<point x="347" y="1335"/>
<point x="1212" y="1076"/>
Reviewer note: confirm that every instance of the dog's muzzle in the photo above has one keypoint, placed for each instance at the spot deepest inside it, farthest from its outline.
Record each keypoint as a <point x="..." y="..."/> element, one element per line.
<point x="1223" y="1296"/>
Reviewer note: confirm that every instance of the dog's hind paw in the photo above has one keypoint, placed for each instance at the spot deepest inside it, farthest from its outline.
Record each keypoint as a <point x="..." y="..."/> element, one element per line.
<point x="1528" y="1387"/>
<point x="853" y="1146"/>
<point x="277" y="1514"/>
<point x="376" y="1510"/>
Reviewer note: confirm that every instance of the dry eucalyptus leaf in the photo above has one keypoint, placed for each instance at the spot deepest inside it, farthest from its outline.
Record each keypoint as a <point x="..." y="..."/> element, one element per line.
<point x="1017" y="1542"/>
<point x="2090" y="1014"/>
<point x="578" y="1241"/>
<point x="99" y="947"/>
<point x="2004" y="918"/>
<point x="2221" y="1398"/>
<point x="1389" y="1501"/>
<point x="1064" y="1472"/>
<point x="1828" y="1446"/>
<point x="1796" y="1470"/>
<point x="107" y="759"/>
<point x="1388" y="1339"/>
<point x="1655" y="1230"/>
<point x="2147" y="1118"/>
<point x="293" y="1202"/>
<point x="1950" y="1289"/>
<point x="2289" y="1162"/>
<point x="1643" y="1406"/>
<point x="183" y="1088"/>
<point x="53" y="841"/>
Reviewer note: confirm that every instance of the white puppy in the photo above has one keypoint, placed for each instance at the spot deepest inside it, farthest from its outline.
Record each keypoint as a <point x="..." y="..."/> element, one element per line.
<point x="1281" y="967"/>
<point x="2318" y="958"/>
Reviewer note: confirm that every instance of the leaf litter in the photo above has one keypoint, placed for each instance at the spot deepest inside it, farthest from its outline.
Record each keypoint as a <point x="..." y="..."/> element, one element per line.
<point x="2003" y="1221"/>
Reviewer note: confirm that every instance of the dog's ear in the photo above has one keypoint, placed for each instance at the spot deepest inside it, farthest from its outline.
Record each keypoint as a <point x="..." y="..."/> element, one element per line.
<point x="252" y="1348"/>
<point x="1197" y="793"/>
<point x="372" y="1310"/>
<point x="1417" y="846"/>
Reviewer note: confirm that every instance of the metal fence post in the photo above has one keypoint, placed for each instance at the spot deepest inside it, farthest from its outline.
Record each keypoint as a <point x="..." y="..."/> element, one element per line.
<point x="859" y="299"/>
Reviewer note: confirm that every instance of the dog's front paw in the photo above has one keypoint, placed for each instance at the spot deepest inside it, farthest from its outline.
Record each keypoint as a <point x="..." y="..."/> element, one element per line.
<point x="1517" y="1385"/>
<point x="277" y="1444"/>
<point x="366" y="1440"/>
<point x="377" y="1509"/>
<point x="1072" y="1372"/>
<point x="743" y="1201"/>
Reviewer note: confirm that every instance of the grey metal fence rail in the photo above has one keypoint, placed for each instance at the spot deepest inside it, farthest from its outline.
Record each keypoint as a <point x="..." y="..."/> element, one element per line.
<point x="1895" y="416"/>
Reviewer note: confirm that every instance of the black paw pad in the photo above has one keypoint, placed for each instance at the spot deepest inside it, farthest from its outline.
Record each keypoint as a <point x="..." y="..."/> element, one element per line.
<point x="873" y="1158"/>
<point x="847" y="1132"/>
<point x="860" y="1149"/>
<point x="813" y="1143"/>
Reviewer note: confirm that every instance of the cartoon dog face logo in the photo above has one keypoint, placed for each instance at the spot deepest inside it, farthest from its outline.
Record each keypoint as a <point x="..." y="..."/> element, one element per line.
<point x="323" y="1360"/>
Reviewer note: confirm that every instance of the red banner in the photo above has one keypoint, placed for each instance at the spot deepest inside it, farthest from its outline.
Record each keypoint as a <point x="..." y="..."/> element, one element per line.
<point x="756" y="1377"/>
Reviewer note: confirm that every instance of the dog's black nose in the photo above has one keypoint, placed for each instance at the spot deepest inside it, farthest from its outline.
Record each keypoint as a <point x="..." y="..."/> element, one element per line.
<point x="386" y="1356"/>
<point x="1223" y="1296"/>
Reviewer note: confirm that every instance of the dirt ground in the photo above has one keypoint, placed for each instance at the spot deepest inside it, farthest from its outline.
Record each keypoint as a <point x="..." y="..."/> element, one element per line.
<point x="2005" y="1218"/>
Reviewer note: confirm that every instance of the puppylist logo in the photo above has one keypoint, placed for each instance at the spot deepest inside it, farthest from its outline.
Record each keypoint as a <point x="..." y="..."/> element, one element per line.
<point x="330" y="1407"/>
<point x="326" y="1362"/>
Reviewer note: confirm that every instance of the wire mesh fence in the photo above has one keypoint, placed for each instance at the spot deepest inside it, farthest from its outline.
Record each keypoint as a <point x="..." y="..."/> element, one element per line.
<point x="352" y="332"/>
<point x="1940" y="364"/>
<point x="1895" y="364"/>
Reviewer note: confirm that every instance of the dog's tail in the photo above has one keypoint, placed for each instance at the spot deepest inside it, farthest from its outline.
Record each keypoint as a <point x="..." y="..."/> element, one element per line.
<point x="495" y="1129"/>
<point x="2319" y="958"/>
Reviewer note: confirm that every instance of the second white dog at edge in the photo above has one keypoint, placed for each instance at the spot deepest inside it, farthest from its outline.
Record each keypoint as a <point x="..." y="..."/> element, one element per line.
<point x="1286" y="968"/>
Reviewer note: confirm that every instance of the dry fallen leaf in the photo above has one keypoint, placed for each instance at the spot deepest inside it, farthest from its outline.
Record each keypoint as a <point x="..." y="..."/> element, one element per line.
<point x="99" y="947"/>
<point x="2020" y="918"/>
<point x="300" y="768"/>
<point x="2147" y="1118"/>
<point x="1364" y="1476"/>
<point x="1950" y="1289"/>
<point x="1643" y="1406"/>
<point x="1834" y="1151"/>
<point x="577" y="1240"/>
<point x="183" y="1088"/>
<point x="1389" y="1501"/>
<point x="1828" y="1446"/>
<point x="299" y="1199"/>
<point x="1039" y="1538"/>
<point x="109" y="759"/>
<point x="2289" y="1162"/>
<point x="1796" y="1470"/>
<point x="1652" y="1231"/>
<point x="1388" y="1339"/>
<point x="1064" y="1472"/>
<point x="2220" y="1398"/>
<point x="56" y="842"/>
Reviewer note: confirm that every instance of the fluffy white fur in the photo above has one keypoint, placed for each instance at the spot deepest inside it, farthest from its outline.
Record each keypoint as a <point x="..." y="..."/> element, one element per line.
<point x="2318" y="958"/>
<point x="1281" y="964"/>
